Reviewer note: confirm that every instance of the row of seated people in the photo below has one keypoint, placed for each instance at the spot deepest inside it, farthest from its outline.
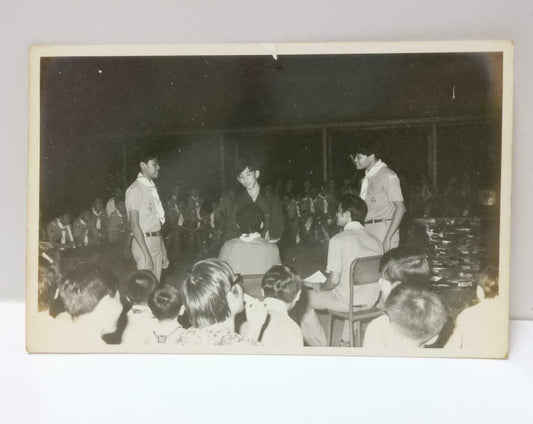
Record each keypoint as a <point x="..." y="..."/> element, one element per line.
<point x="204" y="308"/>
<point x="90" y="227"/>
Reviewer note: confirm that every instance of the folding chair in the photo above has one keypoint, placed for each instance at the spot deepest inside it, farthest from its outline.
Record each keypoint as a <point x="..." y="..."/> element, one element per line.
<point x="363" y="271"/>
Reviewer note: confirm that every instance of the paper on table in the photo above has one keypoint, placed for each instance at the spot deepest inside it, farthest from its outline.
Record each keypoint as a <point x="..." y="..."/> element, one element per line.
<point x="317" y="277"/>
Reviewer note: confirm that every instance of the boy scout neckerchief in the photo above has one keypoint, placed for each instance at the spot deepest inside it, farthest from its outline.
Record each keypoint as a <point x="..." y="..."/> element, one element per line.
<point x="65" y="230"/>
<point x="158" y="206"/>
<point x="98" y="219"/>
<point x="86" y="236"/>
<point x="324" y="203"/>
<point x="370" y="173"/>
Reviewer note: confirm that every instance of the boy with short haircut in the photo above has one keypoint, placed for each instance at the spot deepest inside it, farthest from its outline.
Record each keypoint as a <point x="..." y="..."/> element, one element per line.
<point x="92" y="306"/>
<point x="136" y="290"/>
<point x="402" y="265"/>
<point x="250" y="253"/>
<point x="165" y="305"/>
<point x="380" y="189"/>
<point x="247" y="175"/>
<point x="282" y="287"/>
<point x="146" y="216"/>
<point x="352" y="243"/>
<point x="414" y="317"/>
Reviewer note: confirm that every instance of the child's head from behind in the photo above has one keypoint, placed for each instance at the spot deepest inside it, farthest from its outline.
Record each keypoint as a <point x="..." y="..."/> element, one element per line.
<point x="47" y="285"/>
<point x="250" y="219"/>
<point x="487" y="284"/>
<point x="403" y="265"/>
<point x="283" y="283"/>
<point x="82" y="289"/>
<point x="165" y="303"/>
<point x="138" y="286"/>
<point x="208" y="295"/>
<point x="416" y="314"/>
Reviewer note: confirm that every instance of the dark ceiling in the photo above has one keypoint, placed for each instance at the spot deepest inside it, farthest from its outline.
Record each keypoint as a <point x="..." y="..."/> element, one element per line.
<point x="125" y="96"/>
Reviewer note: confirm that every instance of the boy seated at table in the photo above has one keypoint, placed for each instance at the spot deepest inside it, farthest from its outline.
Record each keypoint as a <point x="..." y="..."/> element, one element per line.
<point x="480" y="327"/>
<point x="165" y="305"/>
<point x="414" y="317"/>
<point x="136" y="290"/>
<point x="282" y="287"/>
<point x="92" y="307"/>
<point x="401" y="264"/>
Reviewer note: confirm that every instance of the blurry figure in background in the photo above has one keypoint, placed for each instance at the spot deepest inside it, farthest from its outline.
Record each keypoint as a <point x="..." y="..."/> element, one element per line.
<point x="322" y="216"/>
<point x="306" y="188"/>
<point x="97" y="222"/>
<point x="208" y="230"/>
<point x="306" y="221"/>
<point x="193" y="219"/>
<point x="332" y="197"/>
<point x="293" y="218"/>
<point x="59" y="232"/>
<point x="224" y="209"/>
<point x="450" y="198"/>
<point x="92" y="307"/>
<point x="289" y="188"/>
<point x="479" y="327"/>
<point x="466" y="194"/>
<point x="211" y="303"/>
<point x="281" y="286"/>
<point x="279" y="188"/>
<point x="346" y="187"/>
<point x="250" y="253"/>
<point x="425" y="203"/>
<point x="176" y="222"/>
<point x="80" y="229"/>
<point x="110" y="206"/>
<point x="414" y="317"/>
<point x="380" y="189"/>
<point x="117" y="224"/>
<point x="176" y="194"/>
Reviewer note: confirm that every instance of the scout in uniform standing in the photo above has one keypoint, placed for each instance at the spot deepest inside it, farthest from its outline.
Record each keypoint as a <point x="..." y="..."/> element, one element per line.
<point x="146" y="217"/>
<point x="381" y="191"/>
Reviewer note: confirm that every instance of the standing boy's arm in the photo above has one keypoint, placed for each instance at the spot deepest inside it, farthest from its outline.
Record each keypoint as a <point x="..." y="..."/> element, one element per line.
<point x="139" y="238"/>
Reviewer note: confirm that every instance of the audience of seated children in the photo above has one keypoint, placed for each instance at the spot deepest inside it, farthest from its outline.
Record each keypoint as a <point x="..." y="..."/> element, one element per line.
<point x="165" y="304"/>
<point x="481" y="326"/>
<point x="92" y="306"/>
<point x="282" y="287"/>
<point x="402" y="264"/>
<point x="136" y="290"/>
<point x="414" y="317"/>
<point x="250" y="253"/>
<point x="211" y="304"/>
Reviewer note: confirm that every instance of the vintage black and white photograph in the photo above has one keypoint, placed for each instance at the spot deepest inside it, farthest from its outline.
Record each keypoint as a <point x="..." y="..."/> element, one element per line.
<point x="331" y="199"/>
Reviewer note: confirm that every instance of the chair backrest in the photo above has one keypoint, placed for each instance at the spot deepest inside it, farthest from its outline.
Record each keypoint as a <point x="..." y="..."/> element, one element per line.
<point x="251" y="285"/>
<point x="365" y="272"/>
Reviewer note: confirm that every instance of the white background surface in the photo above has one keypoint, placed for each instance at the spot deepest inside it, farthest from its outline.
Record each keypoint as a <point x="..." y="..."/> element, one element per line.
<point x="256" y="389"/>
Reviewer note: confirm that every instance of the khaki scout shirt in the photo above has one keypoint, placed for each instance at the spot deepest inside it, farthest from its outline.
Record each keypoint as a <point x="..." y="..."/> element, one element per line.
<point x="139" y="198"/>
<point x="383" y="189"/>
